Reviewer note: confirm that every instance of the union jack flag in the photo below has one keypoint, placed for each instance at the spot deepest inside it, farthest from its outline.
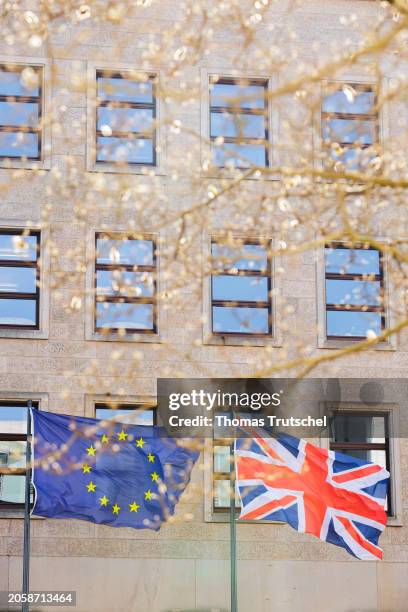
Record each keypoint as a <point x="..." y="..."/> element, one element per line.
<point x="332" y="496"/>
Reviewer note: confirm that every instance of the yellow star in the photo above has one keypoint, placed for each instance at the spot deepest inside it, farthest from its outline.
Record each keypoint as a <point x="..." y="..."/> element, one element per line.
<point x="115" y="509"/>
<point x="91" y="487"/>
<point x="105" y="439"/>
<point x="140" y="443"/>
<point x="134" y="507"/>
<point x="104" y="500"/>
<point x="155" y="476"/>
<point x="91" y="451"/>
<point x="86" y="469"/>
<point x="150" y="458"/>
<point x="122" y="435"/>
<point x="148" y="494"/>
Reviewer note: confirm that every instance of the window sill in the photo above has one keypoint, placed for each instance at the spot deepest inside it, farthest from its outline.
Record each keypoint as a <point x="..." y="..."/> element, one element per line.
<point x="17" y="514"/>
<point x="222" y="173"/>
<point x="136" y="337"/>
<point x="30" y="334"/>
<point x="249" y="341"/>
<point x="14" y="164"/>
<point x="394" y="521"/>
<point x="112" y="168"/>
<point x="341" y="344"/>
<point x="224" y="517"/>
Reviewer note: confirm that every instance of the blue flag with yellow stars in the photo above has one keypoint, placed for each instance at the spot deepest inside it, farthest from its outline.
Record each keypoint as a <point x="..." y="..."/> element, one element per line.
<point x="106" y="472"/>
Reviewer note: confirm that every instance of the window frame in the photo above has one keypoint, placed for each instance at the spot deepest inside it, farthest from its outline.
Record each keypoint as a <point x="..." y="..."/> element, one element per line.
<point x="274" y="339"/>
<point x="92" y="400"/>
<point x="29" y="100"/>
<point x="45" y="84"/>
<point x="220" y="510"/>
<point x="323" y="342"/>
<point x="14" y="263"/>
<point x="209" y="170"/>
<point x="118" y="74"/>
<point x="123" y="299"/>
<point x="243" y="303"/>
<point x="385" y="446"/>
<point x="15" y="437"/>
<point x="373" y="116"/>
<point x="128" y="406"/>
<point x="351" y="77"/>
<point x="241" y="111"/>
<point x="160" y="128"/>
<point x="358" y="277"/>
<point x="392" y="409"/>
<point x="135" y="335"/>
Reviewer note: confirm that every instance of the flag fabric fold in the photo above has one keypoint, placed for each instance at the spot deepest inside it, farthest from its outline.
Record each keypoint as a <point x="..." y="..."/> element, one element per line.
<point x="331" y="495"/>
<point x="106" y="472"/>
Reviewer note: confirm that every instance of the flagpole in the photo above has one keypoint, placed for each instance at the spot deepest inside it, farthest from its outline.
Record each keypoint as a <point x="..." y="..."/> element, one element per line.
<point x="26" y="549"/>
<point x="233" y="534"/>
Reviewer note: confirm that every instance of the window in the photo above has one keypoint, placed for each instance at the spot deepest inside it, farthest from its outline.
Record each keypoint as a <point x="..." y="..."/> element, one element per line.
<point x="365" y="436"/>
<point x="20" y="112"/>
<point x="125" y="117"/>
<point x="241" y="289"/>
<point x="239" y="130"/>
<point x="354" y="291"/>
<point x="350" y="124"/>
<point x="221" y="490"/>
<point x="13" y="442"/>
<point x="125" y="284"/>
<point x="19" y="279"/>
<point x="132" y="414"/>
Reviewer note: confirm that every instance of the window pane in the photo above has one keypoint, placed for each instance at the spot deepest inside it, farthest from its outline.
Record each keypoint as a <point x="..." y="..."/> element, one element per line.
<point x="237" y="125"/>
<point x="222" y="494"/>
<point x="18" y="312"/>
<point x="352" y="159"/>
<point x="244" y="288"/>
<point x="358" y="428"/>
<point x="12" y="454"/>
<point x="243" y="257"/>
<point x="134" y="151"/>
<point x="117" y="282"/>
<point x="13" y="419"/>
<point x="19" y="144"/>
<point x="352" y="261"/>
<point x="125" y="90"/>
<point x="12" y="488"/>
<point x="349" y="131"/>
<point x="19" y="113"/>
<point x="222" y="456"/>
<point x="232" y="94"/>
<point x="17" y="280"/>
<point x="125" y="316"/>
<point x="131" y="416"/>
<point x="18" y="247"/>
<point x="125" y="119"/>
<point x="125" y="251"/>
<point x="240" y="320"/>
<point x="343" y="292"/>
<point x="375" y="456"/>
<point x="239" y="156"/>
<point x="348" y="323"/>
<point x="11" y="84"/>
<point x="356" y="102"/>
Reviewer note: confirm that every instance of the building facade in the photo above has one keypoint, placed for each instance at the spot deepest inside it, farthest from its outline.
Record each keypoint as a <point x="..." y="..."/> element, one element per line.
<point x="116" y="269"/>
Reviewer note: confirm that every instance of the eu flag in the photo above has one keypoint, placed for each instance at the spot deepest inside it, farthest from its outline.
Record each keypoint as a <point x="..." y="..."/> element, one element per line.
<point x="106" y="472"/>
